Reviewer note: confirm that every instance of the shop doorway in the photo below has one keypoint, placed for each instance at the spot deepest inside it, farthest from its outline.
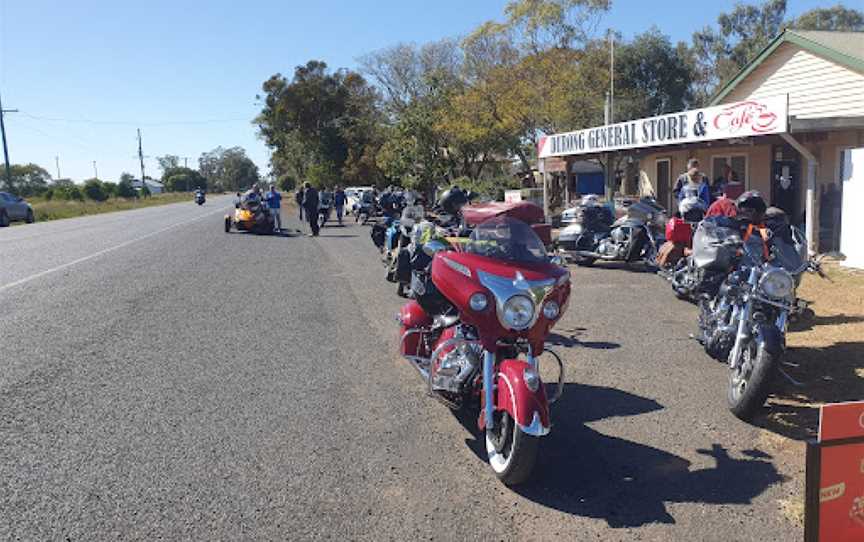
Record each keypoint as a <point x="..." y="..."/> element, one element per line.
<point x="664" y="181"/>
<point x="786" y="188"/>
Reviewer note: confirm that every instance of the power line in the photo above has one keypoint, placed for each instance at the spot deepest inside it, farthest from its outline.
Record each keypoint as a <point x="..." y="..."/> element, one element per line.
<point x="5" y="148"/>
<point x="135" y="123"/>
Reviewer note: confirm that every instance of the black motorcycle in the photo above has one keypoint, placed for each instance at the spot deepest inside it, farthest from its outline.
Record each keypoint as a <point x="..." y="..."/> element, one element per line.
<point x="200" y="198"/>
<point x="744" y="324"/>
<point x="632" y="238"/>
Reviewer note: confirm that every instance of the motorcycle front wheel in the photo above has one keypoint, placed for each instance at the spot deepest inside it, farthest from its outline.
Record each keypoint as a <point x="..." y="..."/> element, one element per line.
<point x="750" y="383"/>
<point x="512" y="453"/>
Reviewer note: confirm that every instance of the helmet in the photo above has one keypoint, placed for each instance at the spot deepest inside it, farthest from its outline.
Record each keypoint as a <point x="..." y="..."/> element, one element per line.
<point x="692" y="208"/>
<point x="751" y="206"/>
<point x="453" y="200"/>
<point x="590" y="200"/>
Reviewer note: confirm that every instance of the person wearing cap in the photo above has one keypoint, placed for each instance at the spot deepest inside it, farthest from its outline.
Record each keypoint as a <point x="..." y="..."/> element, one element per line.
<point x="692" y="182"/>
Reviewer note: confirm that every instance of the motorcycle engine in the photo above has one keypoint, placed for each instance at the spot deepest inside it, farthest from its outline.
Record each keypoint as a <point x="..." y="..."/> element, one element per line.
<point x="454" y="368"/>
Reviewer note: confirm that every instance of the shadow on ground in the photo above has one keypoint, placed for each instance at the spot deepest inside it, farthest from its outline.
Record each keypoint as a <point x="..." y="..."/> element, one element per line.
<point x="586" y="473"/>
<point x="830" y="374"/>
<point x="569" y="338"/>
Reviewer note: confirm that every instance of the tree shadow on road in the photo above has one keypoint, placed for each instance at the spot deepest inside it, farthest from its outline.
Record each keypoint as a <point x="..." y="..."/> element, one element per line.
<point x="586" y="473"/>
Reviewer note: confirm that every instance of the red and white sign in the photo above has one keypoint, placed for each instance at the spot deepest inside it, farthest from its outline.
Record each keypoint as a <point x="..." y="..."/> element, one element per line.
<point x="840" y="473"/>
<point x="740" y="119"/>
<point x="841" y="421"/>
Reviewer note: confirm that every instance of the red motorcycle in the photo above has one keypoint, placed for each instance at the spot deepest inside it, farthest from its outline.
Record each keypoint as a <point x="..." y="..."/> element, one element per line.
<point x="488" y="300"/>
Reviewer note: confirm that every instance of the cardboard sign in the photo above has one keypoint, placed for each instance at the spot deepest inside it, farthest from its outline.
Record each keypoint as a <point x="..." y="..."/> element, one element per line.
<point x="841" y="493"/>
<point x="835" y="476"/>
<point x="841" y="420"/>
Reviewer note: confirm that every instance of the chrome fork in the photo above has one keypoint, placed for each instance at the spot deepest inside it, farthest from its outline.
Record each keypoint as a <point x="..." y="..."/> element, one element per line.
<point x="488" y="391"/>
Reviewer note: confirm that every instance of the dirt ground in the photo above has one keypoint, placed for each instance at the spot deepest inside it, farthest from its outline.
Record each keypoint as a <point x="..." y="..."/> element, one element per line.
<point x="826" y="356"/>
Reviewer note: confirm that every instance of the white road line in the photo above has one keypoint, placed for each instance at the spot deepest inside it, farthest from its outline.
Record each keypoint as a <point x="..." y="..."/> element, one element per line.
<point x="104" y="251"/>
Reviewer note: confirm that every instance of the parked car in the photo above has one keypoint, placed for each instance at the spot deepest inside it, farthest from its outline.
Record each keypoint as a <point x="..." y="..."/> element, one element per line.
<point x="14" y="208"/>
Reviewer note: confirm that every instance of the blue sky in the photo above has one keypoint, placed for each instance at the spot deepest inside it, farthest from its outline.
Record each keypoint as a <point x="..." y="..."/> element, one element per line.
<point x="187" y="72"/>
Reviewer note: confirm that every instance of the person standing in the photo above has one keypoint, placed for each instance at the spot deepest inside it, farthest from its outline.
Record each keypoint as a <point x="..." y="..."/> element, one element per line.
<point x="274" y="203"/>
<point x="693" y="182"/>
<point x="339" y="200"/>
<point x="310" y="205"/>
<point x="298" y="197"/>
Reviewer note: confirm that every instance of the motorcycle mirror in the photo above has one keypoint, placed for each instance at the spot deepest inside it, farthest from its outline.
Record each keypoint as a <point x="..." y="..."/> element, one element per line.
<point x="556" y="260"/>
<point x="433" y="247"/>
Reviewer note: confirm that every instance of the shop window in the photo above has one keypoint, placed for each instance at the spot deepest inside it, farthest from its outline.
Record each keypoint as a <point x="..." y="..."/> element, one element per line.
<point x="738" y="163"/>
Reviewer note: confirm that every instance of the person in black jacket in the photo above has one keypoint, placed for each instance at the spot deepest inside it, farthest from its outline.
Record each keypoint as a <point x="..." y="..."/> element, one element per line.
<point x="310" y="205"/>
<point x="299" y="199"/>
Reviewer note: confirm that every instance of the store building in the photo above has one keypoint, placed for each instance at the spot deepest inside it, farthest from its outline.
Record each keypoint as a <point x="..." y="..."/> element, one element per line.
<point x="782" y="125"/>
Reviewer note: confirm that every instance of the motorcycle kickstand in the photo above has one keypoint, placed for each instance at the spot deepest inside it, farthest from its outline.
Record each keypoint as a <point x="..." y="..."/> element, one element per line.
<point x="788" y="377"/>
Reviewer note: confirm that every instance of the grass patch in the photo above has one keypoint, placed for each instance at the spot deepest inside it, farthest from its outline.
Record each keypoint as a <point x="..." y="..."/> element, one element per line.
<point x="59" y="209"/>
<point x="828" y="351"/>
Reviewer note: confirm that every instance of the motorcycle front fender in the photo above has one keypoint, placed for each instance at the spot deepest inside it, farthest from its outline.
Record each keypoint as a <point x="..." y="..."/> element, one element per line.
<point x="772" y="338"/>
<point x="530" y="409"/>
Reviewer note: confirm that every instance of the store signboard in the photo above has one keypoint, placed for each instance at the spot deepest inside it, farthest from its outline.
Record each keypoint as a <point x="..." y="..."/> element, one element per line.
<point x="734" y="120"/>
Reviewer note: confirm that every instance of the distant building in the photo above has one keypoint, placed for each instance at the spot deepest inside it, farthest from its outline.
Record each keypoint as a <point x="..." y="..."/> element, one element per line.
<point x="155" y="187"/>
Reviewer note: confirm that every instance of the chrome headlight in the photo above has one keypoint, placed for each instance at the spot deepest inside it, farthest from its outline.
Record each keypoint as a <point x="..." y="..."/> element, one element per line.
<point x="518" y="312"/>
<point x="551" y="309"/>
<point x="478" y="302"/>
<point x="777" y="283"/>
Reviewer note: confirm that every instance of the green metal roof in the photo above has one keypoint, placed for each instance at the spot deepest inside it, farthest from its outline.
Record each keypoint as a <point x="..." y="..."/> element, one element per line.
<point x="844" y="48"/>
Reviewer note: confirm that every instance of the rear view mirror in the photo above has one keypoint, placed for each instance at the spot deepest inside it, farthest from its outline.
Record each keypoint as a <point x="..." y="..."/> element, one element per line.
<point x="556" y="260"/>
<point x="433" y="247"/>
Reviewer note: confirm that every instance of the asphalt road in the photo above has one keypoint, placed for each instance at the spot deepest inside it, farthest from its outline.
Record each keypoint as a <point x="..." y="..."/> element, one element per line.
<point x="162" y="379"/>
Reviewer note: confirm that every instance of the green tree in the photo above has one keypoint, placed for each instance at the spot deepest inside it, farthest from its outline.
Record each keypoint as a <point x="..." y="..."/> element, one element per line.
<point x="320" y="123"/>
<point x="94" y="190"/>
<point x="125" y="189"/>
<point x="228" y="169"/>
<point x="720" y="52"/>
<point x="28" y="180"/>
<point x="180" y="179"/>
<point x="286" y="183"/>
<point x="838" y="18"/>
<point x="653" y="77"/>
<point x="168" y="162"/>
<point x="110" y="188"/>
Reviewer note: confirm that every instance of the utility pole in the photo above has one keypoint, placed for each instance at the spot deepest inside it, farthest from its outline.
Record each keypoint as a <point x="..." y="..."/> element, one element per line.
<point x="610" y="119"/>
<point x="57" y="163"/>
<point x="95" y="171"/>
<point x="5" y="148"/>
<point x="141" y="159"/>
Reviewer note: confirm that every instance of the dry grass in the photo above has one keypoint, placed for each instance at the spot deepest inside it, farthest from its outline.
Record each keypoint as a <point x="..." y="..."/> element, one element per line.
<point x="59" y="209"/>
<point x="828" y="350"/>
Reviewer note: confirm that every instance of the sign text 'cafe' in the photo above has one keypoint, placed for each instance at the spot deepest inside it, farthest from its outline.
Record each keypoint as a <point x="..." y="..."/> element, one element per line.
<point x="740" y="119"/>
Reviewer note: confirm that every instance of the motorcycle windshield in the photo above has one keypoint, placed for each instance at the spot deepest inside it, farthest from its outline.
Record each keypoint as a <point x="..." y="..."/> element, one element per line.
<point x="505" y="238"/>
<point x="788" y="254"/>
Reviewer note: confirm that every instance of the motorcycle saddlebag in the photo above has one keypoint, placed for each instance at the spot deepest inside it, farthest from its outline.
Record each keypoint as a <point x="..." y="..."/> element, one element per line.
<point x="403" y="266"/>
<point x="377" y="234"/>
<point x="679" y="231"/>
<point x="709" y="252"/>
<point x="669" y="254"/>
